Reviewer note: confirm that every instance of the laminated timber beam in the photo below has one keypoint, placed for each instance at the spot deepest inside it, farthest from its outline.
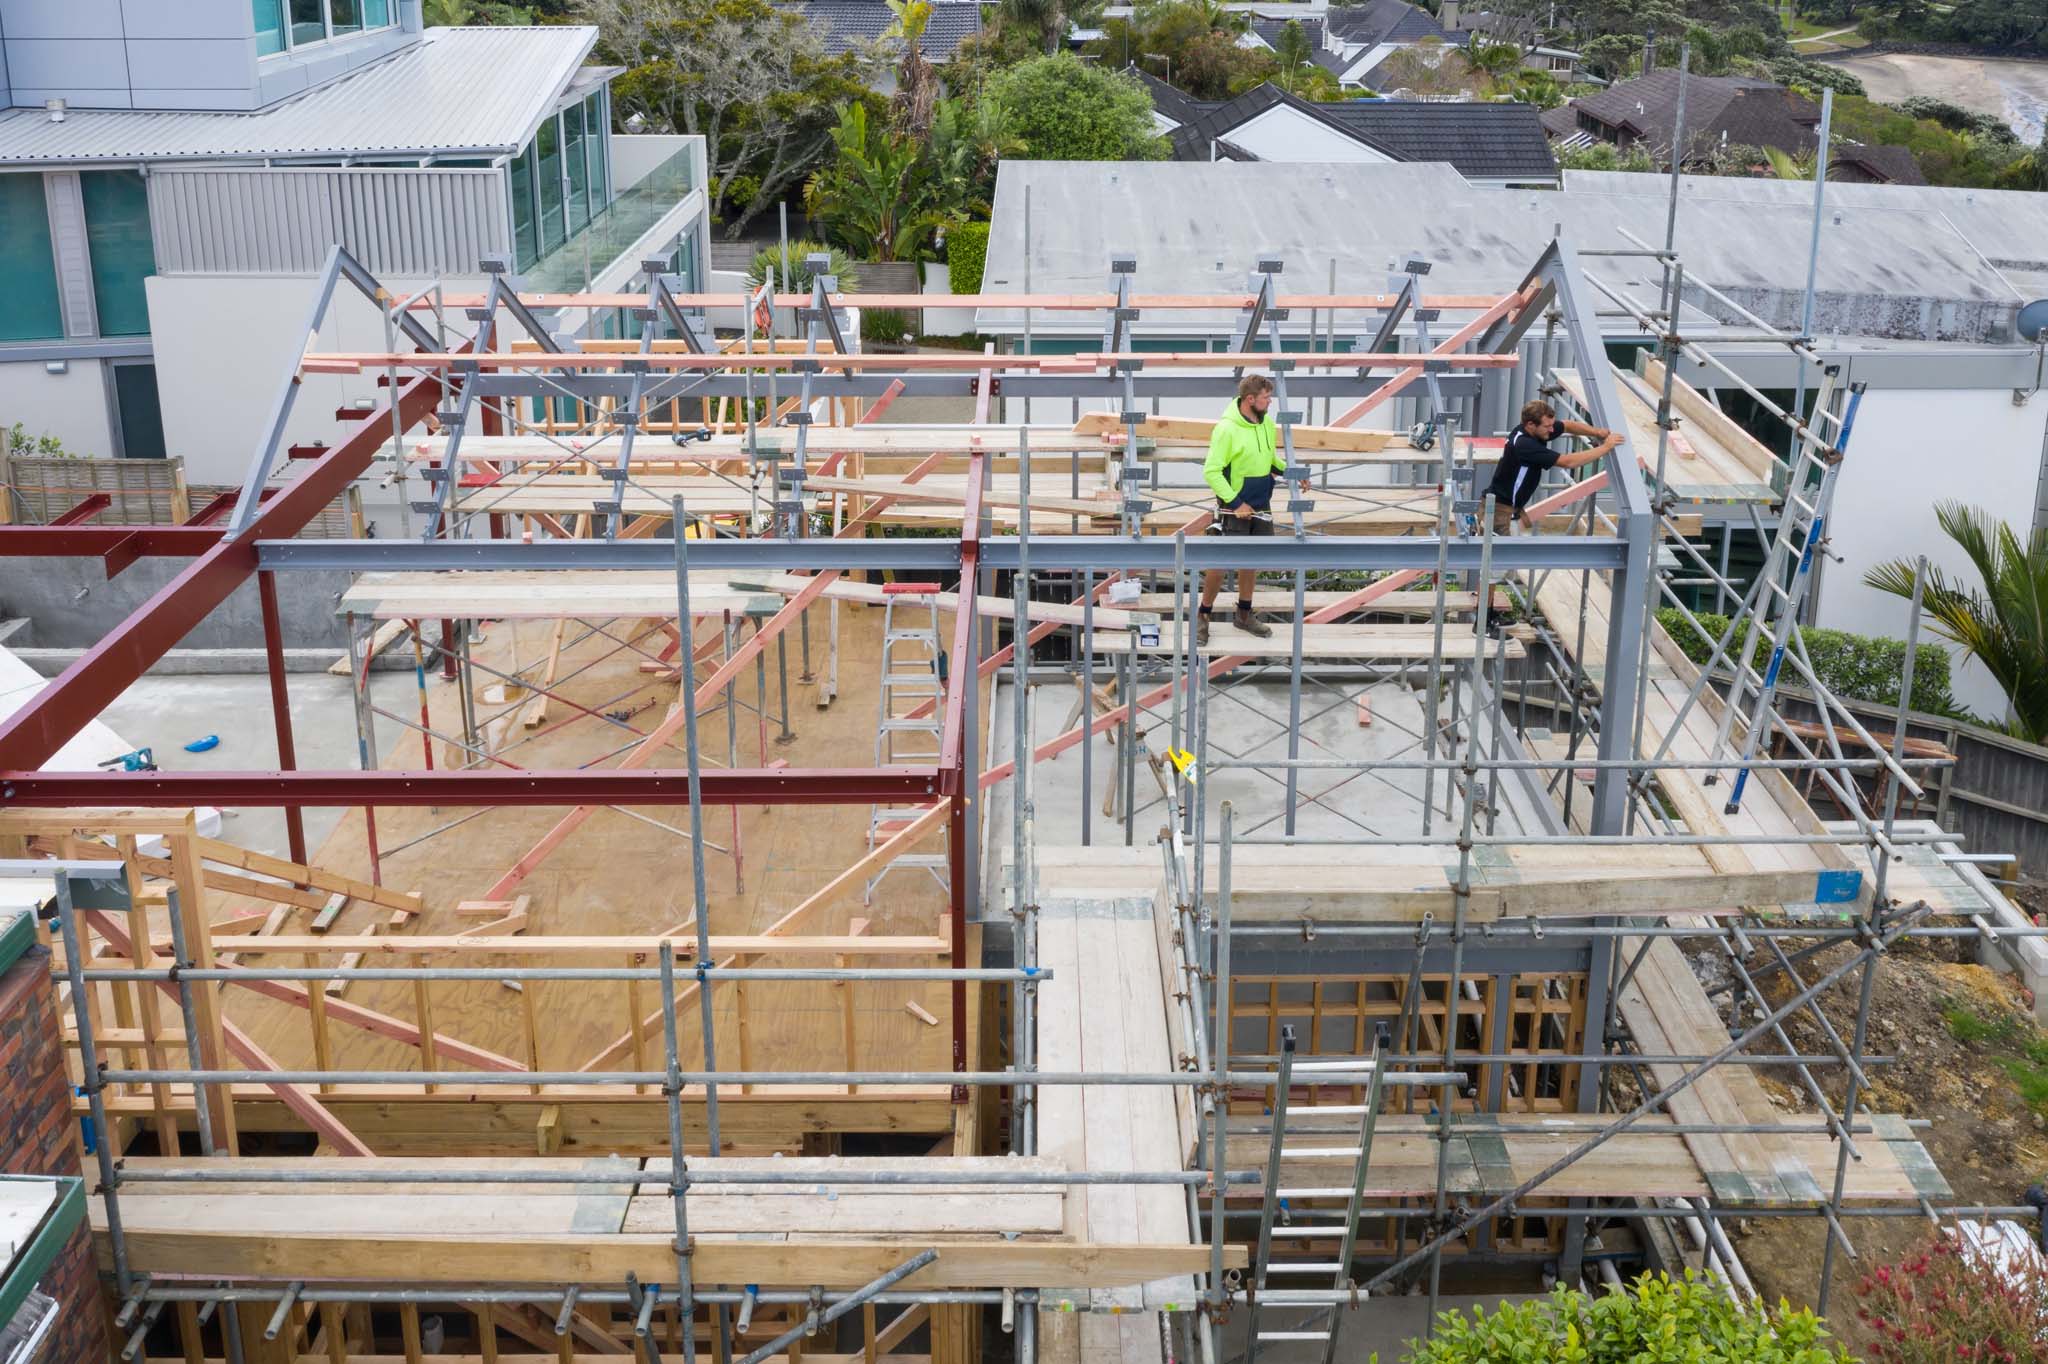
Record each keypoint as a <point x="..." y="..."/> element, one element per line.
<point x="1041" y="302"/>
<point x="826" y="1262"/>
<point x="358" y="362"/>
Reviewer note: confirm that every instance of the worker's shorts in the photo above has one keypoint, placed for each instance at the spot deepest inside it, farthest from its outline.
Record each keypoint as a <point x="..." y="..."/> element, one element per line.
<point x="1229" y="523"/>
<point x="1503" y="519"/>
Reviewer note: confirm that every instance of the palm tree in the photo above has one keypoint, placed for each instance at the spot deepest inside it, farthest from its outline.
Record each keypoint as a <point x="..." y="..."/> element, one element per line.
<point x="916" y="82"/>
<point x="2005" y="625"/>
<point x="875" y="197"/>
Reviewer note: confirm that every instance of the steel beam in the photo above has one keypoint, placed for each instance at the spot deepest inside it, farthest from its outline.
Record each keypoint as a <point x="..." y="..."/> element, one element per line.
<point x="574" y="786"/>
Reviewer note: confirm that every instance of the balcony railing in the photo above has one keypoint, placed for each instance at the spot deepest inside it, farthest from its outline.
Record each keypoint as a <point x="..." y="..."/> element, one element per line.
<point x="572" y="266"/>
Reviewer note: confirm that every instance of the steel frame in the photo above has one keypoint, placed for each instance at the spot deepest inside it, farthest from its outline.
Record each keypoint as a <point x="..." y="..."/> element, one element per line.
<point x="1635" y="513"/>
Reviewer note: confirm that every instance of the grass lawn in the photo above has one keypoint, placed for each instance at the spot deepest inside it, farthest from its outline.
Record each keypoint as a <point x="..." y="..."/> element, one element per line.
<point x="1806" y="35"/>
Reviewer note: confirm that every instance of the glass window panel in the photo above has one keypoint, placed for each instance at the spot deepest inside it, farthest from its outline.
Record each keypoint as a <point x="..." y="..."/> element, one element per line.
<point x="142" y="418"/>
<point x="525" y="249"/>
<point x="376" y="13"/>
<point x="309" y="22"/>
<point x="269" y="26"/>
<point x="578" y="167"/>
<point x="28" y="270"/>
<point x="549" y="172"/>
<point x="347" y="16"/>
<point x="117" y="235"/>
<point x="600" y="134"/>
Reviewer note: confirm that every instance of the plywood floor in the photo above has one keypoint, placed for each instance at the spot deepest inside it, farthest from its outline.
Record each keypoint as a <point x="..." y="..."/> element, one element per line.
<point x="617" y="875"/>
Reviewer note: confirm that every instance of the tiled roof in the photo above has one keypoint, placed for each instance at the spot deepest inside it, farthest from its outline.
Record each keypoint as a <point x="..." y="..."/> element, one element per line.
<point x="1170" y="100"/>
<point x="1481" y="141"/>
<point x="1386" y="21"/>
<point x="1737" y="109"/>
<point x="1883" y="165"/>
<point x="1269" y="30"/>
<point x="480" y="91"/>
<point x="1484" y="141"/>
<point x="844" y="23"/>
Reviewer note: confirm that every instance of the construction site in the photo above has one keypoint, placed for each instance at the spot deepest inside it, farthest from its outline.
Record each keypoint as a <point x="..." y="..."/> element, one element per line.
<point x="806" y="892"/>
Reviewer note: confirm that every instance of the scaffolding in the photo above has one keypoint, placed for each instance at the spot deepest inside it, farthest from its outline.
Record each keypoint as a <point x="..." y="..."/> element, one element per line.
<point x="1504" y="925"/>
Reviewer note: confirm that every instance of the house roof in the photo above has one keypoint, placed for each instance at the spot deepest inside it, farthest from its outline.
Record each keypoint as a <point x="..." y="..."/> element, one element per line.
<point x="458" y="91"/>
<point x="1387" y="21"/>
<point x="843" y="24"/>
<point x="1738" y="109"/>
<point x="1175" y="104"/>
<point x="1929" y="264"/>
<point x="1886" y="165"/>
<point x="1483" y="141"/>
<point x="1269" y="30"/>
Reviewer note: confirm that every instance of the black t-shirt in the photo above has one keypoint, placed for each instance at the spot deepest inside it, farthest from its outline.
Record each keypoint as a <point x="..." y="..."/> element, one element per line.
<point x="1522" y="462"/>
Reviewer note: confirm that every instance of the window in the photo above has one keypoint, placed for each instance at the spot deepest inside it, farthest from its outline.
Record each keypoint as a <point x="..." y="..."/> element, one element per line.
<point x="138" y="417"/>
<point x="282" y="25"/>
<point x="28" y="268"/>
<point x="596" y="129"/>
<point x="525" y="249"/>
<point x="578" y="167"/>
<point x="549" y="152"/>
<point x="269" y="27"/>
<point x="117" y="236"/>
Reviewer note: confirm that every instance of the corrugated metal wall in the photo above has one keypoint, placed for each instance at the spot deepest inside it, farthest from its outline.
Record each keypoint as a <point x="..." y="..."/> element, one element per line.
<point x="395" y="221"/>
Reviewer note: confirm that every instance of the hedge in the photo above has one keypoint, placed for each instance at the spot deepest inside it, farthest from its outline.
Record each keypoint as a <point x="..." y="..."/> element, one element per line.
<point x="966" y="250"/>
<point x="1855" y="667"/>
<point x="1692" y="1320"/>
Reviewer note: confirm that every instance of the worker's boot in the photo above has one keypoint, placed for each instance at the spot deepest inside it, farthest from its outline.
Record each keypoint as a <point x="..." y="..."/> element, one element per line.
<point x="1201" y="628"/>
<point x="1244" y="620"/>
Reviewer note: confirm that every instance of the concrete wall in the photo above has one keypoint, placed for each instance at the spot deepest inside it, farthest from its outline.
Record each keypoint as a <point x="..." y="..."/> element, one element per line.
<point x="72" y="604"/>
<point x="224" y="345"/>
<point x="71" y="406"/>
<point x="1911" y="449"/>
<point x="170" y="54"/>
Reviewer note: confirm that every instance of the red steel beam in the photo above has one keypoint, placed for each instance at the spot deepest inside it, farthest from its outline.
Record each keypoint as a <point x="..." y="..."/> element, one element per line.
<point x="85" y="511"/>
<point x="58" y="542"/>
<point x="955" y="745"/>
<point x="33" y="735"/>
<point x="573" y="786"/>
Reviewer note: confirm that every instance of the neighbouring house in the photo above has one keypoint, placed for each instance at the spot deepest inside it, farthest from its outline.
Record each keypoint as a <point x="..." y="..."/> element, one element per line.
<point x="173" y="178"/>
<point x="1495" y="145"/>
<point x="1486" y="26"/>
<point x="844" y="25"/>
<point x="1720" y="111"/>
<point x="1361" y="37"/>
<point x="1859" y="164"/>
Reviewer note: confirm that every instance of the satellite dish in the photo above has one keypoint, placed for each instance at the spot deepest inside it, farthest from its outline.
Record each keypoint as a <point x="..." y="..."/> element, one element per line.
<point x="2033" y="320"/>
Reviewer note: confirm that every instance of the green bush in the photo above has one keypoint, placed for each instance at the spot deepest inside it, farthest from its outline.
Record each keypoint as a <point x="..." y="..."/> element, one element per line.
<point x="887" y="325"/>
<point x="1855" y="667"/>
<point x="966" y="252"/>
<point x="768" y="261"/>
<point x="1655" y="1319"/>
<point x="1065" y="110"/>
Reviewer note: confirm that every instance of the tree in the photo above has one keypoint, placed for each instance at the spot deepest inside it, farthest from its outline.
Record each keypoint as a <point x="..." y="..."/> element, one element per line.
<point x="766" y="105"/>
<point x="917" y="84"/>
<point x="2004" y="626"/>
<point x="769" y="262"/>
<point x="969" y="140"/>
<point x="1050" y="19"/>
<point x="1068" y="111"/>
<point x="1605" y="156"/>
<point x="1431" y="69"/>
<point x="877" y="196"/>
<point x="1655" y="1318"/>
<point x="1292" y="51"/>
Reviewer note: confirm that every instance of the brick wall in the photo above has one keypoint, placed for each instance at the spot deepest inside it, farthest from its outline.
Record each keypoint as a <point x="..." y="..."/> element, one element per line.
<point x="39" y="1136"/>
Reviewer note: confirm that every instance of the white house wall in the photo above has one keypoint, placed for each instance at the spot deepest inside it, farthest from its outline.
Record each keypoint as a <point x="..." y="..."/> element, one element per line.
<point x="72" y="406"/>
<point x="1284" y="134"/>
<point x="1912" y="448"/>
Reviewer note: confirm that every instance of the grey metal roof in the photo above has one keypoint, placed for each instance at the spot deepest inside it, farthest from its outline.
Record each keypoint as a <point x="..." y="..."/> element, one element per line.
<point x="480" y="91"/>
<point x="1928" y="264"/>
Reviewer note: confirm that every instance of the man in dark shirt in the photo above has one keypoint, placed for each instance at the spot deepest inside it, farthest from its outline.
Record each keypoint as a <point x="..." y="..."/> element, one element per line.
<point x="1527" y="454"/>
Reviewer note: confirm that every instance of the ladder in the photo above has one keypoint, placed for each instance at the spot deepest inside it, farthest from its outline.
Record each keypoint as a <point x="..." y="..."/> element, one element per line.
<point x="913" y="673"/>
<point x="1311" y="1322"/>
<point x="1802" y="531"/>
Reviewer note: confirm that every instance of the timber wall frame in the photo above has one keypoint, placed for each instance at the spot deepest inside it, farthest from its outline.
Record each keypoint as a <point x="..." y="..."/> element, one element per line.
<point x="458" y="385"/>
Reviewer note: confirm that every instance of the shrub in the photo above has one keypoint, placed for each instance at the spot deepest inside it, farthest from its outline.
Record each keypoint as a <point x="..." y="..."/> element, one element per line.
<point x="1067" y="111"/>
<point x="1855" y="667"/>
<point x="888" y="325"/>
<point x="768" y="260"/>
<point x="1655" y="1318"/>
<point x="966" y="253"/>
<point x="1947" y="1303"/>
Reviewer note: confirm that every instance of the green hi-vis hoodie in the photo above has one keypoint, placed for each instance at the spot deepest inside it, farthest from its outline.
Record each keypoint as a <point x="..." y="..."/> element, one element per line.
<point x="1239" y="452"/>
